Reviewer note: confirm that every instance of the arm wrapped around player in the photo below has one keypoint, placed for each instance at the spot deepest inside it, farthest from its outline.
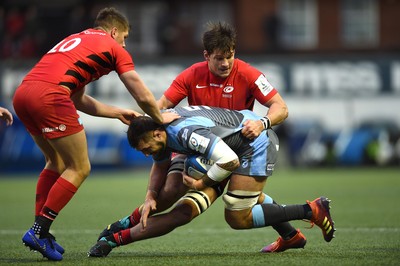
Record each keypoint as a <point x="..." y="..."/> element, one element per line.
<point x="156" y="182"/>
<point x="226" y="161"/>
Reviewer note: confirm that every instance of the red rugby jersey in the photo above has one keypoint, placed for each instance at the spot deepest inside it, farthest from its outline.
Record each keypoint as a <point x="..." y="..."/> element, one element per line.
<point x="238" y="91"/>
<point x="81" y="58"/>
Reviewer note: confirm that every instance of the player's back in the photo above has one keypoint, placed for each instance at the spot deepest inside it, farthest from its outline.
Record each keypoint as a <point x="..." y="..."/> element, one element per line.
<point x="224" y="123"/>
<point x="220" y="116"/>
<point x="79" y="59"/>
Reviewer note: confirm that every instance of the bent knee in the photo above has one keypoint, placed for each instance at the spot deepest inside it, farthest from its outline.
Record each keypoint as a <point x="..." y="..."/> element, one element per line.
<point x="84" y="170"/>
<point x="239" y="219"/>
<point x="192" y="204"/>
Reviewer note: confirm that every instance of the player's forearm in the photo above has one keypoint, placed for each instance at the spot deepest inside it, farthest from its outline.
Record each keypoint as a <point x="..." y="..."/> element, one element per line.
<point x="91" y="106"/>
<point x="149" y="106"/>
<point x="277" y="113"/>
<point x="157" y="178"/>
<point x="164" y="103"/>
<point x="277" y="110"/>
<point x="142" y="95"/>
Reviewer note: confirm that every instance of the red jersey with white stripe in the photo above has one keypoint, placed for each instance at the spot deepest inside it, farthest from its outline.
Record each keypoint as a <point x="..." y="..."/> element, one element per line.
<point x="238" y="91"/>
<point x="81" y="58"/>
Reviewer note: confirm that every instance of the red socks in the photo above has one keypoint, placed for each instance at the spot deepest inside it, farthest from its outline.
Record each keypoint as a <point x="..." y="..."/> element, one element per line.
<point x="46" y="180"/>
<point x="123" y="237"/>
<point x="135" y="217"/>
<point x="59" y="195"/>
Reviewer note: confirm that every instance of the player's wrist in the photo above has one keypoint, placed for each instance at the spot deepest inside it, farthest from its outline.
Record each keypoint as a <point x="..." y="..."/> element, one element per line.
<point x="152" y="193"/>
<point x="266" y="122"/>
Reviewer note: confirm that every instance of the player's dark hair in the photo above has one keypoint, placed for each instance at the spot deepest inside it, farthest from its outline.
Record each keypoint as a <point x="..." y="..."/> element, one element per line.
<point x="139" y="127"/>
<point x="110" y="17"/>
<point x="219" y="36"/>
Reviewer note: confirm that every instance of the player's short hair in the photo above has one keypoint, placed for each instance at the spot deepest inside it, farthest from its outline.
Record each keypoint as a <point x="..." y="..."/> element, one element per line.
<point x="219" y="36"/>
<point x="138" y="129"/>
<point x="110" y="17"/>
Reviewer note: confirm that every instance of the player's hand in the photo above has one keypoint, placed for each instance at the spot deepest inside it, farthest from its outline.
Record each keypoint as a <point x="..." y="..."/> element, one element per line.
<point x="196" y="184"/>
<point x="6" y="116"/>
<point x="168" y="117"/>
<point x="127" y="115"/>
<point x="252" y="128"/>
<point x="148" y="206"/>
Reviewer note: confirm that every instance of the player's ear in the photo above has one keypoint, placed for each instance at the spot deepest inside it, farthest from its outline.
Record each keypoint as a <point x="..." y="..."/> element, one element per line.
<point x="114" y="32"/>
<point x="157" y="134"/>
<point x="206" y="55"/>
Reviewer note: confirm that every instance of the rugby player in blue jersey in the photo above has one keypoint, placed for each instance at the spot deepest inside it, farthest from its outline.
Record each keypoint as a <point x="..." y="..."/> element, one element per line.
<point x="214" y="133"/>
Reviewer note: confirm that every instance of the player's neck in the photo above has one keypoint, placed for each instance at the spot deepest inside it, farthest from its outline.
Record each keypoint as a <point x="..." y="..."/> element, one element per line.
<point x="101" y="28"/>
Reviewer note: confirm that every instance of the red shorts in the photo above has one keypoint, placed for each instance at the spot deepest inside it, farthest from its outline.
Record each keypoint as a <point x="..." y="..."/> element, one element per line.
<point x="47" y="109"/>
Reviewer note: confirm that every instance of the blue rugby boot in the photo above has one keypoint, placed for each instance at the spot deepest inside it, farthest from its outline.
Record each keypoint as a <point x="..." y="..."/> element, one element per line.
<point x="44" y="245"/>
<point x="57" y="246"/>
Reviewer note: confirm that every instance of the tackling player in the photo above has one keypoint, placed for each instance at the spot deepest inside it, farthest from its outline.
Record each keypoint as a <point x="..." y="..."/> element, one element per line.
<point x="221" y="81"/>
<point x="47" y="102"/>
<point x="215" y="134"/>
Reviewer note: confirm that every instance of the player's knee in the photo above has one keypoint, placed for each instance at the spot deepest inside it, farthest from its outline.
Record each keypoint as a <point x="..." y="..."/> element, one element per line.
<point x="238" y="200"/>
<point x="198" y="201"/>
<point x="239" y="219"/>
<point x="84" y="170"/>
<point x="238" y="204"/>
<point x="183" y="213"/>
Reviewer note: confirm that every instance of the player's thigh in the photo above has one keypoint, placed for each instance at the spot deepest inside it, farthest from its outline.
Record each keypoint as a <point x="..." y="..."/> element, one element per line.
<point x="73" y="151"/>
<point x="246" y="183"/>
<point x="53" y="159"/>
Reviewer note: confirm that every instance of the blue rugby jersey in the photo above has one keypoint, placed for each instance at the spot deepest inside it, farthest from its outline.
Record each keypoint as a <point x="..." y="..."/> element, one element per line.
<point x="201" y="127"/>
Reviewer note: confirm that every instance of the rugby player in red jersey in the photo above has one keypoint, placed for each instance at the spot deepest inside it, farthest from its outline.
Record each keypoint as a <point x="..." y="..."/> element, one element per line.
<point x="47" y="102"/>
<point x="220" y="81"/>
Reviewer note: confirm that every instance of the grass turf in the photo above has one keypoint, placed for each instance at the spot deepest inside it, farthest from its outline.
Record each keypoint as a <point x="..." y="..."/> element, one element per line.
<point x="364" y="208"/>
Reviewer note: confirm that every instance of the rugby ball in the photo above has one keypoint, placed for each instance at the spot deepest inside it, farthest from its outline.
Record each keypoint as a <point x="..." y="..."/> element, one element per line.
<point x="197" y="166"/>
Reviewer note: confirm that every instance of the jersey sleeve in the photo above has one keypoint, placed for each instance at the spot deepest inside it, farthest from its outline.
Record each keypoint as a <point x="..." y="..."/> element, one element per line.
<point x="263" y="90"/>
<point x="123" y="60"/>
<point x="260" y="87"/>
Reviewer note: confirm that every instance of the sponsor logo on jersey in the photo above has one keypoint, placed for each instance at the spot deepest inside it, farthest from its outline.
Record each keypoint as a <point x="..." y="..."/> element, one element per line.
<point x="263" y="85"/>
<point x="201" y="86"/>
<point x="198" y="142"/>
<point x="61" y="127"/>
<point x="270" y="167"/>
<point x="216" y="85"/>
<point x="245" y="163"/>
<point x="227" y="92"/>
<point x="228" y="89"/>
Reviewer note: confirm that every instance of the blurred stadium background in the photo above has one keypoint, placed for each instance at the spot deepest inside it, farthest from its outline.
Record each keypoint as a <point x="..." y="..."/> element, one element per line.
<point x="336" y="63"/>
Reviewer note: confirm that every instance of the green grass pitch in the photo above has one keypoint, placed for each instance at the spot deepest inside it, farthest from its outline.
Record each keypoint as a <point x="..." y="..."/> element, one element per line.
<point x="365" y="208"/>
